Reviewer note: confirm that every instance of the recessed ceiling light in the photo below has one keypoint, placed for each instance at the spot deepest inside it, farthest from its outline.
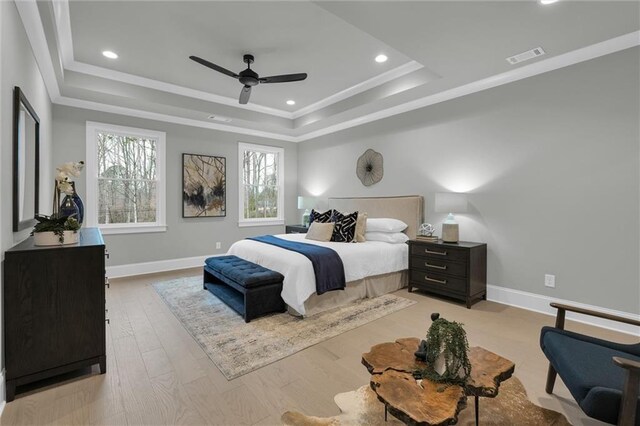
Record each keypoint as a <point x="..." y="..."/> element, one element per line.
<point x="381" y="58"/>
<point x="109" y="54"/>
<point x="547" y="1"/>
<point x="291" y="102"/>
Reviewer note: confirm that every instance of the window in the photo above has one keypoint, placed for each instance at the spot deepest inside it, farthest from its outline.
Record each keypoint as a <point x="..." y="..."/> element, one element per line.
<point x="261" y="185"/>
<point x="125" y="179"/>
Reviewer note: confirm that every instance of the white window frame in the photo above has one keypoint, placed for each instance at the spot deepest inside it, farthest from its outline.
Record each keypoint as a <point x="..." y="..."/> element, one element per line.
<point x="160" y="225"/>
<point x="242" y="146"/>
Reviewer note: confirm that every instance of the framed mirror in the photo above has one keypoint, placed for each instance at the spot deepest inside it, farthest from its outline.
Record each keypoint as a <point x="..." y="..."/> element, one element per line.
<point x="26" y="162"/>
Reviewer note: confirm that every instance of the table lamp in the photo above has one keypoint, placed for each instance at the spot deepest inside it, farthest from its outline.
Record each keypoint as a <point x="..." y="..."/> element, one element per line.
<point x="450" y="202"/>
<point x="306" y="203"/>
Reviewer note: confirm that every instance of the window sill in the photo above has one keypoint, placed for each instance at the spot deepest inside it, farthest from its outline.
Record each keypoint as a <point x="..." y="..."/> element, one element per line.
<point x="270" y="222"/>
<point x="137" y="229"/>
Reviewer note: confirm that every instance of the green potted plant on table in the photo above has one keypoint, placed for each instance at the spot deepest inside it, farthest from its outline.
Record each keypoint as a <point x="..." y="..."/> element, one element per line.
<point x="446" y="352"/>
<point x="62" y="226"/>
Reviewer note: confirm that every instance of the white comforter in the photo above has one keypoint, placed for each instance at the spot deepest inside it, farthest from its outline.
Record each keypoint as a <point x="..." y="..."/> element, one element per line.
<point x="360" y="260"/>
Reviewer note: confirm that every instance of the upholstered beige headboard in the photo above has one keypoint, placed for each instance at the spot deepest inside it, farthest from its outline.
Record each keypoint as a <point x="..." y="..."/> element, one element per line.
<point x="408" y="208"/>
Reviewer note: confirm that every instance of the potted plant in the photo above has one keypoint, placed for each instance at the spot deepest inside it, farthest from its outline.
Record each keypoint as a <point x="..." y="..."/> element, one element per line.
<point x="446" y="352"/>
<point x="51" y="231"/>
<point x="62" y="226"/>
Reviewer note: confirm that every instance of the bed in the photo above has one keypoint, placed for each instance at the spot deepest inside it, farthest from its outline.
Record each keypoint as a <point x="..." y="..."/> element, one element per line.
<point x="371" y="268"/>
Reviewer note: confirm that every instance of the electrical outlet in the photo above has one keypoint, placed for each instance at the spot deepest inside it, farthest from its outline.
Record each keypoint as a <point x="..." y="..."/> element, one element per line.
<point x="218" y="245"/>
<point x="549" y="280"/>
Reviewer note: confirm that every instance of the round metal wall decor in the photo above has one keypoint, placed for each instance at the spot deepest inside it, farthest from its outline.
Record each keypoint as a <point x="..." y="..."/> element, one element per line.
<point x="369" y="168"/>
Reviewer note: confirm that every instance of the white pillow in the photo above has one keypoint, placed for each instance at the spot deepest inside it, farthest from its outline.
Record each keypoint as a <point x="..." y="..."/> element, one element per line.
<point x="387" y="237"/>
<point x="385" y="225"/>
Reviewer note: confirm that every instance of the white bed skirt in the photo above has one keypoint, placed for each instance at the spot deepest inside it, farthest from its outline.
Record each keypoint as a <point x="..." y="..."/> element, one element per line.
<point x="355" y="290"/>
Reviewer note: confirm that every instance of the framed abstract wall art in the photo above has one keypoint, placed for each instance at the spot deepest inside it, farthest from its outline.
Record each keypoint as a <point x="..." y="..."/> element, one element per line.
<point x="204" y="186"/>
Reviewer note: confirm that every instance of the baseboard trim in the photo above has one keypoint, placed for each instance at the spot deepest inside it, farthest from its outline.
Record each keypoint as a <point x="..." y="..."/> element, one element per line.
<point x="132" y="269"/>
<point x="3" y="395"/>
<point x="538" y="303"/>
<point x="506" y="296"/>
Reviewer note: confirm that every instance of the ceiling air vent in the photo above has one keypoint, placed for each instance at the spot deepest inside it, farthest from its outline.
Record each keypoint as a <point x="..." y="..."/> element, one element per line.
<point x="219" y="118"/>
<point x="525" y="56"/>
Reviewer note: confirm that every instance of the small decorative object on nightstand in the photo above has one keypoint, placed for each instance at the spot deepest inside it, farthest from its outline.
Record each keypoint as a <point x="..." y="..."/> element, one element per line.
<point x="296" y="229"/>
<point x="425" y="233"/>
<point x="450" y="202"/>
<point x="306" y="203"/>
<point x="455" y="270"/>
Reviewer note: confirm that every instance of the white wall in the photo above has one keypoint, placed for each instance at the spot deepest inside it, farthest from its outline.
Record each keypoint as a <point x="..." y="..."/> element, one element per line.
<point x="185" y="237"/>
<point x="551" y="164"/>
<point x="18" y="68"/>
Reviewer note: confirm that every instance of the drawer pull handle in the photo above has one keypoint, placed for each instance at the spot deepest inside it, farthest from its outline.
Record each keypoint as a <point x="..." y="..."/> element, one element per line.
<point x="436" y="281"/>
<point x="439" y="253"/>
<point x="106" y="282"/>
<point x="106" y="253"/>
<point x="107" y="321"/>
<point x="428" y="265"/>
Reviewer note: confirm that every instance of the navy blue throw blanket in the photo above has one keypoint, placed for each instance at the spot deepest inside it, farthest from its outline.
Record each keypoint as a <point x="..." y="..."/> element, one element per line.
<point x="326" y="263"/>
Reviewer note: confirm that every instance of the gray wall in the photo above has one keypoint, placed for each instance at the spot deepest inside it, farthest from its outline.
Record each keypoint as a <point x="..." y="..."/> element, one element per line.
<point x="184" y="237"/>
<point x="18" y="68"/>
<point x="551" y="164"/>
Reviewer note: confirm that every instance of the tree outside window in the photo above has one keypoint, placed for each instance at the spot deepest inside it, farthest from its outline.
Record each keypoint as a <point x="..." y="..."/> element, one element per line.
<point x="261" y="175"/>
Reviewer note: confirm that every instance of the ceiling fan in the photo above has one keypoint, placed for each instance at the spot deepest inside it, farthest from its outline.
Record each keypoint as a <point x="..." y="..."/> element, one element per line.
<point x="249" y="77"/>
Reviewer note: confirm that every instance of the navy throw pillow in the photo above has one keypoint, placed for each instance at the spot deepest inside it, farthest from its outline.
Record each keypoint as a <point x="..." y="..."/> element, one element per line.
<point x="324" y="217"/>
<point x="345" y="229"/>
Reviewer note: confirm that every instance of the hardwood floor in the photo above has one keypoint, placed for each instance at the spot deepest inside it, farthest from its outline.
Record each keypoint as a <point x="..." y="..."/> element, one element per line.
<point x="157" y="374"/>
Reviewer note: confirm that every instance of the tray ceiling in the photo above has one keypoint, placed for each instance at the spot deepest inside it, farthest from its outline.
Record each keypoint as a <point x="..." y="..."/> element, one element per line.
<point x="436" y="51"/>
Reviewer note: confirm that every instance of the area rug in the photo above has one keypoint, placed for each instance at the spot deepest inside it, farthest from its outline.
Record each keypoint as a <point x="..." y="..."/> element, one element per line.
<point x="238" y="348"/>
<point x="510" y="407"/>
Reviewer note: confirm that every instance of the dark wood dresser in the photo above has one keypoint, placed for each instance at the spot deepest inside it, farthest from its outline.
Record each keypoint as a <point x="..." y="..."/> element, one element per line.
<point x="457" y="270"/>
<point x="54" y="309"/>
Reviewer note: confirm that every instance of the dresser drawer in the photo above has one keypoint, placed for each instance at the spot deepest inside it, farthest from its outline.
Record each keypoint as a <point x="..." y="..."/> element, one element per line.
<point x="439" y="252"/>
<point x="445" y="282"/>
<point x="437" y="265"/>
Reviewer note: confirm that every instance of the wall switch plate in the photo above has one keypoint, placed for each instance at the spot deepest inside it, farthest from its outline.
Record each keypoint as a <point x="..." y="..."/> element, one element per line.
<point x="218" y="245"/>
<point x="549" y="280"/>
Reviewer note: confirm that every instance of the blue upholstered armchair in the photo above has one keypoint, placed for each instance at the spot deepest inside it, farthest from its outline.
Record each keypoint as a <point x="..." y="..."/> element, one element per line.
<point x="602" y="376"/>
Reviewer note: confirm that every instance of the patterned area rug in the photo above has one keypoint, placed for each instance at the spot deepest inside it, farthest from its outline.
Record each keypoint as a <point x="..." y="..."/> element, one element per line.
<point x="238" y="348"/>
<point x="510" y="407"/>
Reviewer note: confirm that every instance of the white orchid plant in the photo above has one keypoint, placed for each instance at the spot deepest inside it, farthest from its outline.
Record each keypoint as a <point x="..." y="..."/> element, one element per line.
<point x="65" y="174"/>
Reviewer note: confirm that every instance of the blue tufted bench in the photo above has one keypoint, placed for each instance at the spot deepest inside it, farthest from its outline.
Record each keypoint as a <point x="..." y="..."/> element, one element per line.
<point x="249" y="289"/>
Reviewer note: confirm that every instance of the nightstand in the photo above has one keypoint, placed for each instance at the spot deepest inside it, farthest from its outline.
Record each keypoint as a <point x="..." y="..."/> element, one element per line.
<point x="457" y="270"/>
<point x="296" y="229"/>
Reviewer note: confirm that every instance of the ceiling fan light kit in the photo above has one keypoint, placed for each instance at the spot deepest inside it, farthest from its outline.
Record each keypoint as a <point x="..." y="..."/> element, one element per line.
<point x="249" y="77"/>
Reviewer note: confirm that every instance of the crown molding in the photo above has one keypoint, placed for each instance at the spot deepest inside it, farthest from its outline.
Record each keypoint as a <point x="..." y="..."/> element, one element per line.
<point x="167" y="118"/>
<point x="62" y="19"/>
<point x="64" y="37"/>
<point x="30" y="17"/>
<point x="545" y="65"/>
<point x="363" y="86"/>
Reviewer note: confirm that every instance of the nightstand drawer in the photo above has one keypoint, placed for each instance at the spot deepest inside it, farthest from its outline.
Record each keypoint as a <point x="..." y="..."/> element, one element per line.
<point x="439" y="252"/>
<point x="445" y="282"/>
<point x="442" y="266"/>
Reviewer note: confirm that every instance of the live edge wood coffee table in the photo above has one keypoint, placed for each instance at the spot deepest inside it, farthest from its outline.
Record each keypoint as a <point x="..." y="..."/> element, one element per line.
<point x="391" y="365"/>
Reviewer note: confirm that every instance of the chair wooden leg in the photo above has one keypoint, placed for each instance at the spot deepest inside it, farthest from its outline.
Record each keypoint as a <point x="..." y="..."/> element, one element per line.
<point x="551" y="379"/>
<point x="627" y="416"/>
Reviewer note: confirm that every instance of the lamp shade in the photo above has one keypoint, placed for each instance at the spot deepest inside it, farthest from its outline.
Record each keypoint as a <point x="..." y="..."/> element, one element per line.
<point x="305" y="203"/>
<point x="451" y="202"/>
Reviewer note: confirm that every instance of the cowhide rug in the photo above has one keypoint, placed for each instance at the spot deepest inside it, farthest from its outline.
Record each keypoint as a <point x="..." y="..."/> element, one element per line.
<point x="510" y="407"/>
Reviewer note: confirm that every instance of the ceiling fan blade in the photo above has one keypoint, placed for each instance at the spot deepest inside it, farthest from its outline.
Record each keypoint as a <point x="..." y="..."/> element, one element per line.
<point x="283" y="78"/>
<point x="213" y="66"/>
<point x="244" y="94"/>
